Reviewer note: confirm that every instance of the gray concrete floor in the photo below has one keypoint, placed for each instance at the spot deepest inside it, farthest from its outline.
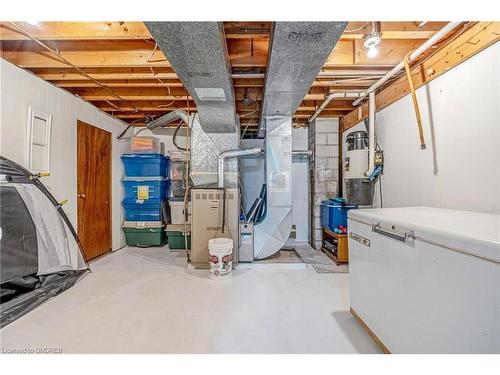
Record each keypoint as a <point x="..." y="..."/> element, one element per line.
<point x="147" y="301"/>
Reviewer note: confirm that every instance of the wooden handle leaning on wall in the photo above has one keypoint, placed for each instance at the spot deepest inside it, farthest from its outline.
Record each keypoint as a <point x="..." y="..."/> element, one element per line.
<point x="415" y="102"/>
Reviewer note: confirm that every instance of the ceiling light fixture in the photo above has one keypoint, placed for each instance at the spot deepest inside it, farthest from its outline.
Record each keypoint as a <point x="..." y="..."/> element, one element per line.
<point x="372" y="40"/>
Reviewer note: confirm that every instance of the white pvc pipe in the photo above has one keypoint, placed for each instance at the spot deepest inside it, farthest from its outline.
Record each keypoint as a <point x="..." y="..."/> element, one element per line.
<point x="334" y="95"/>
<point x="424" y="47"/>
<point x="371" y="134"/>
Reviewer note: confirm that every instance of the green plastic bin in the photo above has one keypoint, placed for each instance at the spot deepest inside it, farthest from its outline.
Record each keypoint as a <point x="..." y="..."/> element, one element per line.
<point x="144" y="233"/>
<point x="175" y="234"/>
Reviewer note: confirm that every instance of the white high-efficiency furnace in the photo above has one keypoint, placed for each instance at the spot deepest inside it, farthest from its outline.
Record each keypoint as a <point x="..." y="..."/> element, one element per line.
<point x="426" y="280"/>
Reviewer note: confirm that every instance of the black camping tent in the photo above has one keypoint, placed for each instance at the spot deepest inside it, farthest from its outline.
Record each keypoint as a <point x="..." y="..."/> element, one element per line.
<point x="40" y="253"/>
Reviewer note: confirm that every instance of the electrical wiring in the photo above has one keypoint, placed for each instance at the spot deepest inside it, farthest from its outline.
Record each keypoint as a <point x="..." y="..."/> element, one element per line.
<point x="120" y="137"/>
<point x="256" y="108"/>
<point x="159" y="80"/>
<point x="174" y="137"/>
<point x="357" y="29"/>
<point x="113" y="105"/>
<point x="246" y="128"/>
<point x="64" y="60"/>
<point x="152" y="53"/>
<point x="165" y="105"/>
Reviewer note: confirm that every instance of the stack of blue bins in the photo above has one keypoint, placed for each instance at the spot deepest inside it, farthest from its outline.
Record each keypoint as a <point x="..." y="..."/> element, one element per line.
<point x="333" y="213"/>
<point x="146" y="186"/>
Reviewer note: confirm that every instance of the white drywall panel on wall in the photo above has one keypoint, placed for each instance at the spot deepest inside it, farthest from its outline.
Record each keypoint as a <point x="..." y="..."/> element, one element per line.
<point x="20" y="89"/>
<point x="460" y="169"/>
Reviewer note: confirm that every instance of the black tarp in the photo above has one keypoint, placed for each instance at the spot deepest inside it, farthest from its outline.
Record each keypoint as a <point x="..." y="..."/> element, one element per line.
<point x="22" y="287"/>
<point x="18" y="246"/>
<point x="34" y="290"/>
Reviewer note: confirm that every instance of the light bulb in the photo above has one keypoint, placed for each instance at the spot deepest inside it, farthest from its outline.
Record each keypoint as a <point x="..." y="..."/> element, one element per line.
<point x="372" y="51"/>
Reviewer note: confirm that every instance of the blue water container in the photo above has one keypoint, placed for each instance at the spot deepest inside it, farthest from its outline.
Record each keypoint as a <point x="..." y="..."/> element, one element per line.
<point x="139" y="210"/>
<point x="334" y="214"/>
<point x="146" y="165"/>
<point x="150" y="187"/>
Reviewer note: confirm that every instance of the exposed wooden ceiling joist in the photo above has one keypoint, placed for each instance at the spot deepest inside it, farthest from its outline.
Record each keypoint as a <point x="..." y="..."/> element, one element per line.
<point x="85" y="59"/>
<point x="247" y="30"/>
<point x="76" y="31"/>
<point x="124" y="57"/>
<point x="467" y="44"/>
<point x="394" y="30"/>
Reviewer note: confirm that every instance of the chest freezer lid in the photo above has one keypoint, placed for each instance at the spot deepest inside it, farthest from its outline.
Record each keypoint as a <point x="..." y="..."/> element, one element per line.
<point x="470" y="232"/>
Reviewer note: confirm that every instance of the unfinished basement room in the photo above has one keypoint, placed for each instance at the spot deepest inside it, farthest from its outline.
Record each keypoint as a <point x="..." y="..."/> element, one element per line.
<point x="211" y="183"/>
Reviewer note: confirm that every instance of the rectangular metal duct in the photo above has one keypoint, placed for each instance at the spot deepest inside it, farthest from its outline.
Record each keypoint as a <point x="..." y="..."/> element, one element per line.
<point x="205" y="150"/>
<point x="298" y="51"/>
<point x="198" y="53"/>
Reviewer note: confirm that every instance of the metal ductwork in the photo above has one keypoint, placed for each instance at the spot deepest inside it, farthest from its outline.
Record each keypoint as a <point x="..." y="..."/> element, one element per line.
<point x="272" y="232"/>
<point x="168" y="118"/>
<point x="197" y="51"/>
<point x="298" y="51"/>
<point x="231" y="154"/>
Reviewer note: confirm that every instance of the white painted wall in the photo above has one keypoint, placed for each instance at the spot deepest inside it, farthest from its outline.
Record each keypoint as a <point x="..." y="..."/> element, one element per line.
<point x="460" y="169"/>
<point x="20" y="89"/>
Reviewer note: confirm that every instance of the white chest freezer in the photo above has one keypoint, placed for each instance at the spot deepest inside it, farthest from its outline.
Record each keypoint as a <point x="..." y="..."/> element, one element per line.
<point x="426" y="280"/>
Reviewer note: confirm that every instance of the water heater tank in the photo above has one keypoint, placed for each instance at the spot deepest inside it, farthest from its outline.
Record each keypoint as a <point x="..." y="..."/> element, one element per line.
<point x="356" y="158"/>
<point x="358" y="189"/>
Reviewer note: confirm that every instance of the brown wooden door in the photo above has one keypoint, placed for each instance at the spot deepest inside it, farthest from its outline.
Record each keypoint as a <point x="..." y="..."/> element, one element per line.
<point x="94" y="189"/>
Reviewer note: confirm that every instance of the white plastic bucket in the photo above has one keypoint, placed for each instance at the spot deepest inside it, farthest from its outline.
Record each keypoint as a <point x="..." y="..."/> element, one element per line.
<point x="220" y="257"/>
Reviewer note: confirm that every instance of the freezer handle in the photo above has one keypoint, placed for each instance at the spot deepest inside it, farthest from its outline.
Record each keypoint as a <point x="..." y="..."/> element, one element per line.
<point x="403" y="237"/>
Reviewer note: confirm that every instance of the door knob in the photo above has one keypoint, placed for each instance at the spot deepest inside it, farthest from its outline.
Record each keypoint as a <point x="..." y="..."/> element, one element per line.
<point x="81" y="195"/>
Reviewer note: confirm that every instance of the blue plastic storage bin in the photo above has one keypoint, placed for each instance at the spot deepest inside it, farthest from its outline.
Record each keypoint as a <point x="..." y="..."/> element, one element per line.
<point x="146" y="165"/>
<point x="137" y="210"/>
<point x="152" y="187"/>
<point x="334" y="214"/>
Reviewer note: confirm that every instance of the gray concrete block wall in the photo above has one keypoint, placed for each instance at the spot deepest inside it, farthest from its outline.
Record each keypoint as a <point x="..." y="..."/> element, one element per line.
<point x="323" y="170"/>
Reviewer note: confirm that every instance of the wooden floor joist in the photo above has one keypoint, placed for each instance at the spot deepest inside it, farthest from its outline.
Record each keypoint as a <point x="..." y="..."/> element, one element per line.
<point x="124" y="57"/>
<point x="478" y="37"/>
<point x="77" y="31"/>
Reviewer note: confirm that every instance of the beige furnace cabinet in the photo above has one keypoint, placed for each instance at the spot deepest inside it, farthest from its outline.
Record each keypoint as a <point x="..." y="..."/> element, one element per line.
<point x="207" y="209"/>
